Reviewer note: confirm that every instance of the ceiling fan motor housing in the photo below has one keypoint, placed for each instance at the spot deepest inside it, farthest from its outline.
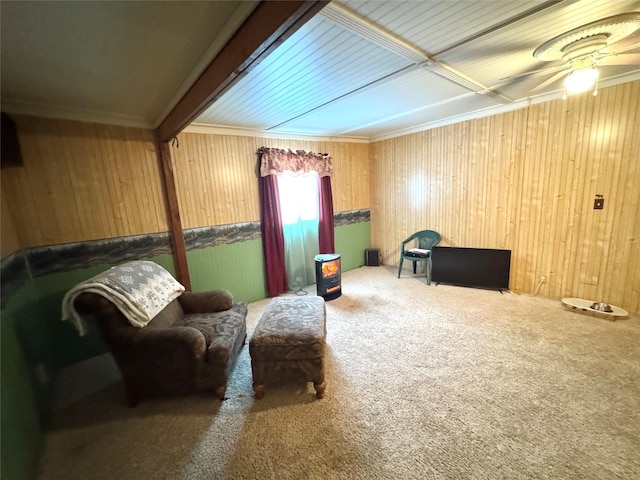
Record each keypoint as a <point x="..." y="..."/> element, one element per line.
<point x="585" y="47"/>
<point x="589" y="39"/>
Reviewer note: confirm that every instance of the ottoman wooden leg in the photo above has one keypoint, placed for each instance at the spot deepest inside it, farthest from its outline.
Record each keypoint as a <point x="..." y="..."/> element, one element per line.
<point x="220" y="391"/>
<point x="259" y="389"/>
<point x="320" y="388"/>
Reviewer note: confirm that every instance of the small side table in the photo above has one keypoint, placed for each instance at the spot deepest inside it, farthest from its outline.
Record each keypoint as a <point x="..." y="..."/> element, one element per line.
<point x="586" y="306"/>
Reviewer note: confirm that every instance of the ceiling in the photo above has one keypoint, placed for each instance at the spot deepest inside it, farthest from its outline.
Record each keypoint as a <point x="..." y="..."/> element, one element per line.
<point x="362" y="70"/>
<point x="125" y="62"/>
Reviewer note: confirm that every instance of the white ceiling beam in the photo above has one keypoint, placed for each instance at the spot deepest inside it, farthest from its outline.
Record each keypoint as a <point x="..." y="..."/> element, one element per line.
<point x="353" y="22"/>
<point x="368" y="30"/>
<point x="361" y="26"/>
<point x="450" y="73"/>
<point x="508" y="22"/>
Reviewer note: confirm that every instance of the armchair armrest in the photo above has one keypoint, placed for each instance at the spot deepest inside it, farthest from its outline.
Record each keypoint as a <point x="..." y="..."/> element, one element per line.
<point x="160" y="360"/>
<point x="206" y="302"/>
<point x="156" y="343"/>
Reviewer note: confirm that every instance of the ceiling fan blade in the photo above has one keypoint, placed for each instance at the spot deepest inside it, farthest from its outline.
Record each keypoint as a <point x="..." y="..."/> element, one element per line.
<point x="550" y="80"/>
<point x="624" y="45"/>
<point x="534" y="73"/>
<point x="622" y="59"/>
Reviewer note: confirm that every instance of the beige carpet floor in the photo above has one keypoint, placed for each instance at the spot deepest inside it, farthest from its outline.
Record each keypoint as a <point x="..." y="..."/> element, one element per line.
<point x="424" y="382"/>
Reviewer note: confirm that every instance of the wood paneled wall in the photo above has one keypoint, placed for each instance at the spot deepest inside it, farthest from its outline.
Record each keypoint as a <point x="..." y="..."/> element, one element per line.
<point x="83" y="181"/>
<point x="217" y="183"/>
<point x="9" y="235"/>
<point x="526" y="181"/>
<point x="523" y="180"/>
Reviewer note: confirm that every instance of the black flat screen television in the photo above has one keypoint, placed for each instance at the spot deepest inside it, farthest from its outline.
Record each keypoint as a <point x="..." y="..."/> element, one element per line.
<point x="471" y="267"/>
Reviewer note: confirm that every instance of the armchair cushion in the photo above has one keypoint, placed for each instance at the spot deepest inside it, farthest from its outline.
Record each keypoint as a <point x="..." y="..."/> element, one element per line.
<point x="218" y="331"/>
<point x="167" y="316"/>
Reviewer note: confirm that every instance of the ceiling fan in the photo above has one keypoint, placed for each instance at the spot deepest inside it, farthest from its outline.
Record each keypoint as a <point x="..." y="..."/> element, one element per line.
<point x="584" y="50"/>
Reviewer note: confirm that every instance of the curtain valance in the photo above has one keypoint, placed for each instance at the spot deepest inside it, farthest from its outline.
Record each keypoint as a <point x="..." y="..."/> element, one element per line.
<point x="274" y="161"/>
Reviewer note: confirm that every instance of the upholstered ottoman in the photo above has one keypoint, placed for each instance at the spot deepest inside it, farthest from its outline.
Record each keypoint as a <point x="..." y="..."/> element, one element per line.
<point x="288" y="343"/>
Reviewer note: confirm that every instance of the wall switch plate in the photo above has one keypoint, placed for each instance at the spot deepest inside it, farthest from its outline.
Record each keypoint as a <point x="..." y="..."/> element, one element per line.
<point x="598" y="203"/>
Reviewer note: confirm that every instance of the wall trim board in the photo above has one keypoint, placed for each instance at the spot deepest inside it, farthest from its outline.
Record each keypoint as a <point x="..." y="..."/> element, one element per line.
<point x="14" y="273"/>
<point x="72" y="256"/>
<point x="40" y="261"/>
<point x="203" y="237"/>
<point x="351" y="216"/>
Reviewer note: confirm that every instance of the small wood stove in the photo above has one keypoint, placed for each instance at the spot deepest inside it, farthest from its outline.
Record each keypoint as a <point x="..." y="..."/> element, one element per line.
<point x="328" y="284"/>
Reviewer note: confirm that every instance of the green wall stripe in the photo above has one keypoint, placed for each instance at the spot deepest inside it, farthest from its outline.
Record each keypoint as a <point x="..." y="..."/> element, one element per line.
<point x="34" y="334"/>
<point x="20" y="427"/>
<point x="237" y="267"/>
<point x="351" y="242"/>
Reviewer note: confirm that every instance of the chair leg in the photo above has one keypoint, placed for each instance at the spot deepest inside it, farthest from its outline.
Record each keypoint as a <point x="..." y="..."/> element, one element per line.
<point x="220" y="391"/>
<point x="428" y="269"/>
<point x="414" y="267"/>
<point x="400" y="267"/>
<point x="132" y="398"/>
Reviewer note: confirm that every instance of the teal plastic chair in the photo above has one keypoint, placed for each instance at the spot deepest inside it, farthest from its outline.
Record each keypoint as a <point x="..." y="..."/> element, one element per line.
<point x="417" y="248"/>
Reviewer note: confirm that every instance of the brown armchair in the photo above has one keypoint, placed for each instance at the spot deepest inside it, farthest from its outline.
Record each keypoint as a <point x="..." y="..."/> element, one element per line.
<point x="191" y="345"/>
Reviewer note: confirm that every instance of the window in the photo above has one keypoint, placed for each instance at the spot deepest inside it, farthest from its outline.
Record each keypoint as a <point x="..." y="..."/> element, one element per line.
<point x="297" y="209"/>
<point x="298" y="197"/>
<point x="299" y="212"/>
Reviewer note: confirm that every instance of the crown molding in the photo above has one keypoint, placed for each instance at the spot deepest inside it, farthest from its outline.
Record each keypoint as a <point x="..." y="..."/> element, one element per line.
<point x="498" y="109"/>
<point x="20" y="107"/>
<point x="246" y="132"/>
<point x="58" y="112"/>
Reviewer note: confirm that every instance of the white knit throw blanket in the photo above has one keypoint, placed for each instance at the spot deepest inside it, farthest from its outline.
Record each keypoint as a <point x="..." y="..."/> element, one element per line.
<point x="140" y="289"/>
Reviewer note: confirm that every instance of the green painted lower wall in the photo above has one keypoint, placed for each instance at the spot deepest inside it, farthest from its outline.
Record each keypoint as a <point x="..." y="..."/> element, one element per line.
<point x="48" y="341"/>
<point x="20" y="433"/>
<point x="237" y="267"/>
<point x="351" y="242"/>
<point x="68" y="346"/>
<point x="34" y="336"/>
<point x="31" y="328"/>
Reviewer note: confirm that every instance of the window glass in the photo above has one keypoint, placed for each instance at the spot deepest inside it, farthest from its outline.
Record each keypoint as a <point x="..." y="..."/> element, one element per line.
<point x="298" y="197"/>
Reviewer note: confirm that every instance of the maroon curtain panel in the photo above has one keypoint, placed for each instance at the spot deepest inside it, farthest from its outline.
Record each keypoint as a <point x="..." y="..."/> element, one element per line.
<point x="326" y="242"/>
<point x="272" y="236"/>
